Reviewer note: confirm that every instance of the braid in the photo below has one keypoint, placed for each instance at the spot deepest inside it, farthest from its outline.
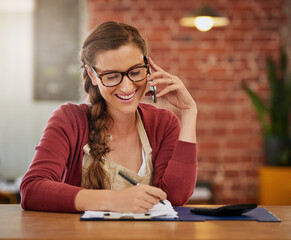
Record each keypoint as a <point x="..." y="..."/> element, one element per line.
<point x="98" y="120"/>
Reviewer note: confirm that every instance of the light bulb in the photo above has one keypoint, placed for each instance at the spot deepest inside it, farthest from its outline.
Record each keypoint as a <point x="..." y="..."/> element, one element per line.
<point x="204" y="23"/>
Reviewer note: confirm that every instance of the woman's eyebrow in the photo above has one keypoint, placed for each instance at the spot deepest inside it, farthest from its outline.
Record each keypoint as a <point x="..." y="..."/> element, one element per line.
<point x="112" y="71"/>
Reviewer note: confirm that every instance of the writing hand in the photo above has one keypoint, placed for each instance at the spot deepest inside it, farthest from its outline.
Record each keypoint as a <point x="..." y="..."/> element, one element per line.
<point x="138" y="199"/>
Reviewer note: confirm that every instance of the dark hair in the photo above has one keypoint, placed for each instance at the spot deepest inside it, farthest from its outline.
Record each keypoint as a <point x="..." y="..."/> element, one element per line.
<point x="107" y="36"/>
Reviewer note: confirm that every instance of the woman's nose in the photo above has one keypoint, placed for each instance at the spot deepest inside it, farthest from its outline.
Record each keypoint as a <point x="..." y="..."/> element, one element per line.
<point x="126" y="85"/>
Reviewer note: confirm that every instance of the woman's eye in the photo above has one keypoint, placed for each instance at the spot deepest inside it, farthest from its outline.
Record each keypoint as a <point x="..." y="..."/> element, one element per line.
<point x="113" y="76"/>
<point x="135" y="72"/>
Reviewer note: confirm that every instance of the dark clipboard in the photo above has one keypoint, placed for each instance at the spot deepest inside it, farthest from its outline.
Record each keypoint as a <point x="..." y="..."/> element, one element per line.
<point x="259" y="214"/>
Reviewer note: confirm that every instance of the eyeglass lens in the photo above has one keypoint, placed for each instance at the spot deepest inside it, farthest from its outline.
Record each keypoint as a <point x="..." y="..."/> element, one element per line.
<point x="135" y="75"/>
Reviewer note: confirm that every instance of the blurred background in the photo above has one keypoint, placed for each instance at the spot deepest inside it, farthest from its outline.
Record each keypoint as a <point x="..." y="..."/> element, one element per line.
<point x="40" y="69"/>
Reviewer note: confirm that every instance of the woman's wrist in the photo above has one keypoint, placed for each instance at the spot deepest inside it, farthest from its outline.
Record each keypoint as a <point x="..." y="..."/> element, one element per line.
<point x="188" y="124"/>
<point x="189" y="112"/>
<point x="98" y="200"/>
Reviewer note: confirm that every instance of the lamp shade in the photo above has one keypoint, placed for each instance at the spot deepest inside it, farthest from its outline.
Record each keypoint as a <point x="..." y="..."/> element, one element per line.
<point x="204" y="18"/>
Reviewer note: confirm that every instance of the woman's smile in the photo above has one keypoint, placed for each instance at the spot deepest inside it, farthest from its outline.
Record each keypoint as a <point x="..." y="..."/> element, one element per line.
<point x="126" y="98"/>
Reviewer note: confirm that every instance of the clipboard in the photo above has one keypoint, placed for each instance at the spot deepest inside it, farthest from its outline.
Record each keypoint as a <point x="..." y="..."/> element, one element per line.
<point x="126" y="217"/>
<point x="259" y="214"/>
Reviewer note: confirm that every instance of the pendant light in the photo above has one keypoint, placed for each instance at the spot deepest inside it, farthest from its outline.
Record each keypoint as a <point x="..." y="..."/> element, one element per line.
<point x="204" y="18"/>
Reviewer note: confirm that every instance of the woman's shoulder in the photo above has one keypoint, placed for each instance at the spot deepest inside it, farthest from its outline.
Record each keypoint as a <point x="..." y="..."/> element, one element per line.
<point x="153" y="115"/>
<point x="71" y="111"/>
<point x="159" y="123"/>
<point x="149" y="110"/>
<point x="73" y="108"/>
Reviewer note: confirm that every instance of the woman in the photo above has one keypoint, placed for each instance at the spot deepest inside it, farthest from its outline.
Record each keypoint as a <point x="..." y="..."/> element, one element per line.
<point x="84" y="146"/>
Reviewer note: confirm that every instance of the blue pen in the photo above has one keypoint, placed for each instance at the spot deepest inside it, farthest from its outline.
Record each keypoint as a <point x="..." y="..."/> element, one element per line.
<point x="132" y="181"/>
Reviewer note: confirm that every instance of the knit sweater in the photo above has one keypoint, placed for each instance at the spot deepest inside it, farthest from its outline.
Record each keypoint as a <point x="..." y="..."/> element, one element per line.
<point x="54" y="175"/>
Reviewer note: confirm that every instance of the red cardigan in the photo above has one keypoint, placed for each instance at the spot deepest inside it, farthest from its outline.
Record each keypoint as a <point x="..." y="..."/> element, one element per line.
<point x="54" y="176"/>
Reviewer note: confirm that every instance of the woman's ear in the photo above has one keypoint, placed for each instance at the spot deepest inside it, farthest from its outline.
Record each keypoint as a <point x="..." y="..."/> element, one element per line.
<point x="91" y="75"/>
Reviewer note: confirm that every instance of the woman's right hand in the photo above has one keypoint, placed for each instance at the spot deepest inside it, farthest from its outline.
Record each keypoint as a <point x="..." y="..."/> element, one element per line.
<point x="137" y="199"/>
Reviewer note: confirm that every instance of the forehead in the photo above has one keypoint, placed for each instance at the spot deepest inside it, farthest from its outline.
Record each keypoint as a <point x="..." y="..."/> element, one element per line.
<point x="119" y="59"/>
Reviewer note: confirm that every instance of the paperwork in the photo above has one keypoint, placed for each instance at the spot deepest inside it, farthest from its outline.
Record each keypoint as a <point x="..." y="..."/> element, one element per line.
<point x="158" y="211"/>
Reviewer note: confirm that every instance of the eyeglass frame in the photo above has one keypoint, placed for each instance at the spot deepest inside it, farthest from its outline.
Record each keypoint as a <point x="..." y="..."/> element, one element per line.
<point x="147" y="66"/>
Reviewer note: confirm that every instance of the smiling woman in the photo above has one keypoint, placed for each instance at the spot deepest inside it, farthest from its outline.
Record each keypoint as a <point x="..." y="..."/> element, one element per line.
<point x="118" y="87"/>
<point x="115" y="132"/>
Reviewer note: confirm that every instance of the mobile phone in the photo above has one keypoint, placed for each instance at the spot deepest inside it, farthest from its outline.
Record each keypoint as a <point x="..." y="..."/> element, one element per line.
<point x="154" y="92"/>
<point x="153" y="89"/>
<point x="224" y="211"/>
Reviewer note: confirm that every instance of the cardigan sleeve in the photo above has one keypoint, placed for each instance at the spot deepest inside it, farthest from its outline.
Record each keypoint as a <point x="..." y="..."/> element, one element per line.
<point x="177" y="177"/>
<point x="43" y="186"/>
<point x="174" y="161"/>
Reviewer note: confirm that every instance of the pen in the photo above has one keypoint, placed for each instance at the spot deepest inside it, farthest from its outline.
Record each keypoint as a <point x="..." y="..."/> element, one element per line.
<point x="132" y="181"/>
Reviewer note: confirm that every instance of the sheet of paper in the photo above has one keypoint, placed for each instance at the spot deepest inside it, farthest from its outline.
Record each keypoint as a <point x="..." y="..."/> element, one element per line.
<point x="163" y="210"/>
<point x="159" y="210"/>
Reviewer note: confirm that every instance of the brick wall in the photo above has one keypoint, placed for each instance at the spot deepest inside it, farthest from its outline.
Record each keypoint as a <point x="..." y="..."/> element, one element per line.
<point x="212" y="65"/>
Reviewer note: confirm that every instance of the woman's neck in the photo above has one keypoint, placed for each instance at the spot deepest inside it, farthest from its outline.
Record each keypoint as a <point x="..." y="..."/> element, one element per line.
<point x="123" y="124"/>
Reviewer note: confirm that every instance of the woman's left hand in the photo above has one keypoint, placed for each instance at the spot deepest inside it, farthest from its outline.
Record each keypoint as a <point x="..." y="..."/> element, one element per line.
<point x="175" y="91"/>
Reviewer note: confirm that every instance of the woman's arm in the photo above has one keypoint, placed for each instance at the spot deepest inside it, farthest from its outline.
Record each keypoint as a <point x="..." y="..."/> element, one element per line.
<point x="176" y="161"/>
<point x="53" y="178"/>
<point x="136" y="199"/>
<point x="177" y="94"/>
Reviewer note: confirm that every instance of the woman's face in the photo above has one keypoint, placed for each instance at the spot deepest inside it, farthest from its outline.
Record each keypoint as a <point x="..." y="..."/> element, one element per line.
<point x="123" y="98"/>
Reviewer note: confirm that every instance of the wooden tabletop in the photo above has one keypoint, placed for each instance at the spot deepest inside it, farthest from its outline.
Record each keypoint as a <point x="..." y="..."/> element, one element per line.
<point x="16" y="223"/>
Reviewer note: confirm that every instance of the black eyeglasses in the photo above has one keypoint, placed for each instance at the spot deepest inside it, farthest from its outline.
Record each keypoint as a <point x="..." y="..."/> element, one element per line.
<point x="112" y="79"/>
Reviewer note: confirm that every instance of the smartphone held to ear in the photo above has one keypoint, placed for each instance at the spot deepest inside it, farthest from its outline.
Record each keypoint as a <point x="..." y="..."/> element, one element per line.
<point x="153" y="91"/>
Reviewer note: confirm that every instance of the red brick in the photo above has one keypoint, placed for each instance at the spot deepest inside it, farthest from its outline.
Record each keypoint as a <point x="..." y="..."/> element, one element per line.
<point x="212" y="65"/>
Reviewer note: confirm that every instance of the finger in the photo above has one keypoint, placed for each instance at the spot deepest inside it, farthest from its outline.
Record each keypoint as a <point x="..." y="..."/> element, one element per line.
<point x="139" y="209"/>
<point x="156" y="192"/>
<point x="158" y="81"/>
<point x="154" y="66"/>
<point x="166" y="90"/>
<point x="153" y="200"/>
<point x="139" y="205"/>
<point x="142" y="204"/>
<point x="159" y="74"/>
<point x="147" y="205"/>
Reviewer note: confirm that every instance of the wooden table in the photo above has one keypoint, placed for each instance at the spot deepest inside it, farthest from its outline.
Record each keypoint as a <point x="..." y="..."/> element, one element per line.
<point x="16" y="223"/>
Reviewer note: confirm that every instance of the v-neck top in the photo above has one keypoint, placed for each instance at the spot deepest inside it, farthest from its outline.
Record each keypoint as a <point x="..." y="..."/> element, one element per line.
<point x="116" y="182"/>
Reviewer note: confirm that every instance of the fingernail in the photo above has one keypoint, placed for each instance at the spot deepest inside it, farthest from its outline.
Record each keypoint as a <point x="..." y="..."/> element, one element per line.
<point x="151" y="82"/>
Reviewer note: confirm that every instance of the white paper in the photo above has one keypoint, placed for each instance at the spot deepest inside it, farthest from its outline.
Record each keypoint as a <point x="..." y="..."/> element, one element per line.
<point x="158" y="211"/>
